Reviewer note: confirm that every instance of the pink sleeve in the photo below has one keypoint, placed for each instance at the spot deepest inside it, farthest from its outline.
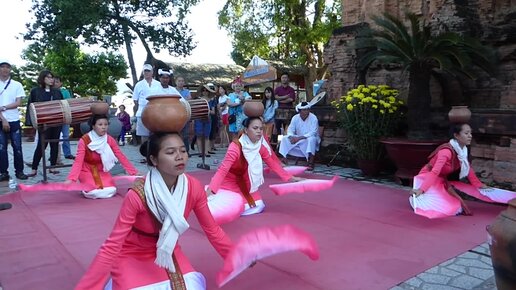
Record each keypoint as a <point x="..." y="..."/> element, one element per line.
<point x="99" y="271"/>
<point x="443" y="156"/>
<point x="273" y="162"/>
<point x="217" y="237"/>
<point x="128" y="166"/>
<point x="231" y="157"/>
<point x="78" y="162"/>
<point x="473" y="179"/>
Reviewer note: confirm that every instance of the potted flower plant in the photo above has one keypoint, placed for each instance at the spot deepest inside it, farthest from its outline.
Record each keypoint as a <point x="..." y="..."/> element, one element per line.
<point x="421" y="52"/>
<point x="368" y="113"/>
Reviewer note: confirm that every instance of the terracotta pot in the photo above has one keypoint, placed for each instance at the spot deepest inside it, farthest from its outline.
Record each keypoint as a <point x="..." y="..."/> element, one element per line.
<point x="409" y="156"/>
<point x="253" y="108"/>
<point x="165" y="113"/>
<point x="370" y="167"/>
<point x="99" y="108"/>
<point x="459" y="114"/>
<point x="502" y="244"/>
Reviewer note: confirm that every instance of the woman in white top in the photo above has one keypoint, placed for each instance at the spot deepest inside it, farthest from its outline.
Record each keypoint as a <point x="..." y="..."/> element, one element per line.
<point x="270" y="105"/>
<point x="224" y="116"/>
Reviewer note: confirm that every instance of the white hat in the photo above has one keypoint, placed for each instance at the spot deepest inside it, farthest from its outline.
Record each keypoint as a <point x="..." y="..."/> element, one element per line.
<point x="147" y="67"/>
<point x="303" y="106"/>
<point x="210" y="87"/>
<point x="164" y="72"/>
<point x="3" y="60"/>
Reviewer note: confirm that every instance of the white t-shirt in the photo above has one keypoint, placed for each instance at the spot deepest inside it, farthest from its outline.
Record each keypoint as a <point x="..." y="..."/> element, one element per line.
<point x="8" y="96"/>
<point x="142" y="90"/>
<point x="223" y="100"/>
<point x="164" y="91"/>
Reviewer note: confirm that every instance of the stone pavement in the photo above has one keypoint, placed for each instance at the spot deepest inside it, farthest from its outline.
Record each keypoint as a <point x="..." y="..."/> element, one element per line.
<point x="469" y="270"/>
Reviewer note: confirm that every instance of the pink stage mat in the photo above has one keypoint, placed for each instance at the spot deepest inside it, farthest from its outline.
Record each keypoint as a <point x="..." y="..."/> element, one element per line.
<point x="368" y="238"/>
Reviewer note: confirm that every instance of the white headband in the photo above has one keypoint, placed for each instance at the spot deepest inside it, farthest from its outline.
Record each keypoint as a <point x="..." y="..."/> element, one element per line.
<point x="301" y="107"/>
<point x="164" y="72"/>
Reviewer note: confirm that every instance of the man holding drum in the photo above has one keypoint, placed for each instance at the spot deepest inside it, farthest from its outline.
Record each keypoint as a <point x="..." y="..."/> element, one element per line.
<point x="11" y="93"/>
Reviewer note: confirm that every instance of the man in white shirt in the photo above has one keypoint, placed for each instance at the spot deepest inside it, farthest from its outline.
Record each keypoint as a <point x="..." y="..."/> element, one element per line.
<point x="11" y="93"/>
<point x="141" y="91"/>
<point x="302" y="138"/>
<point x="165" y="87"/>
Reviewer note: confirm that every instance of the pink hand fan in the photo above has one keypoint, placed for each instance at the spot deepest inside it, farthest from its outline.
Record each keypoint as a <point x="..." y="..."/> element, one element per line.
<point x="225" y="206"/>
<point x="262" y="243"/>
<point x="125" y="178"/>
<point x="302" y="186"/>
<point x="293" y="170"/>
<point x="57" y="186"/>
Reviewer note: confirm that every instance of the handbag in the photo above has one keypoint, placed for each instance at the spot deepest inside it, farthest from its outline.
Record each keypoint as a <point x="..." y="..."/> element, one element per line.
<point x="232" y="119"/>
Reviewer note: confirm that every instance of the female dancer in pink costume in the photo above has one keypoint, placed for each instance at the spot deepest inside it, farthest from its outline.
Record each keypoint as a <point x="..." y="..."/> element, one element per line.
<point x="434" y="194"/>
<point x="97" y="153"/>
<point x="241" y="170"/>
<point x="142" y="250"/>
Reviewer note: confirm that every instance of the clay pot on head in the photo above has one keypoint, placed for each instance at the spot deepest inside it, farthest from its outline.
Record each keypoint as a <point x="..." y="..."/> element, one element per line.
<point x="502" y="245"/>
<point x="459" y="115"/>
<point x="99" y="108"/>
<point x="253" y="108"/>
<point x="164" y="113"/>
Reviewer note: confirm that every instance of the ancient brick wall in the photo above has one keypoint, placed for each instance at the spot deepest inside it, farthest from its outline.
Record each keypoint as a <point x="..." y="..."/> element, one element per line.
<point x="491" y="99"/>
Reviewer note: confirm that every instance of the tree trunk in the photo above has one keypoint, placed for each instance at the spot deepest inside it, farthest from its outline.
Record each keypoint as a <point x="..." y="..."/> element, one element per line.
<point x="418" y="102"/>
<point x="128" y="46"/>
<point x="127" y="40"/>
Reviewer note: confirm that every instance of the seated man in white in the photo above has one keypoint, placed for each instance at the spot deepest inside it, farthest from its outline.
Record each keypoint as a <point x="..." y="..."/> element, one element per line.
<point x="302" y="139"/>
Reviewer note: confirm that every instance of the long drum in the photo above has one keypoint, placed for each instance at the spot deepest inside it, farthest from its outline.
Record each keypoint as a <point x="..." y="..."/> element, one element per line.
<point x="56" y="113"/>
<point x="197" y="109"/>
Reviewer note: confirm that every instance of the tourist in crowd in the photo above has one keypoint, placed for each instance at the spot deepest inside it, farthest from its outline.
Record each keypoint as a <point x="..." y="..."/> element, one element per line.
<point x="45" y="92"/>
<point x="125" y="120"/>
<point x="214" y="117"/>
<point x="141" y="91"/>
<point x="270" y="105"/>
<point x="224" y="116"/>
<point x="11" y="95"/>
<point x="203" y="126"/>
<point x="236" y="101"/>
<point x="185" y="93"/>
<point x="65" y="132"/>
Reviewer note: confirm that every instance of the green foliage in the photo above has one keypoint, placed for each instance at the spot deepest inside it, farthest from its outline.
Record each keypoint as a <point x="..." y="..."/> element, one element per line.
<point x="275" y="29"/>
<point x="112" y="24"/>
<point x="368" y="113"/>
<point x="84" y="74"/>
<point x="421" y="52"/>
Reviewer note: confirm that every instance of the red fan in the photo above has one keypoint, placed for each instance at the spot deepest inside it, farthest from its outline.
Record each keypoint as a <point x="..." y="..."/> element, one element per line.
<point x="294" y="170"/>
<point x="262" y="243"/>
<point x="302" y="186"/>
<point x="225" y="206"/>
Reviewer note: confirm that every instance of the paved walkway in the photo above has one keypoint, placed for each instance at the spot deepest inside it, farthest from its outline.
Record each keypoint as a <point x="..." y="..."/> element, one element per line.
<point x="470" y="270"/>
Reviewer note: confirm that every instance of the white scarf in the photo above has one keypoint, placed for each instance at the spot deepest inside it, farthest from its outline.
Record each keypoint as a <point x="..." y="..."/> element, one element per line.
<point x="462" y="154"/>
<point x="100" y="145"/>
<point x="254" y="160"/>
<point x="168" y="207"/>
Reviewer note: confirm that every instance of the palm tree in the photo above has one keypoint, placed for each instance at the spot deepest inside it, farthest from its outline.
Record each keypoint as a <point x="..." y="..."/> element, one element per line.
<point x="421" y="53"/>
